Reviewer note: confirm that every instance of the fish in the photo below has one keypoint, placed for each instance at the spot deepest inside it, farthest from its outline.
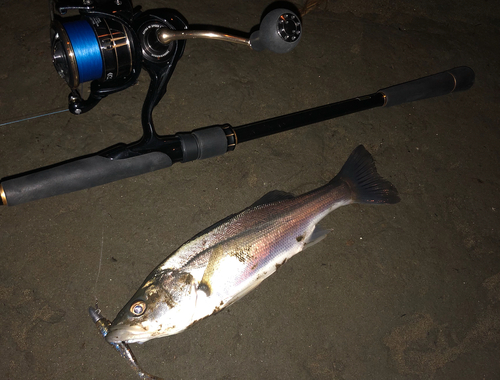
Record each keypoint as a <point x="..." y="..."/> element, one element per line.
<point x="226" y="261"/>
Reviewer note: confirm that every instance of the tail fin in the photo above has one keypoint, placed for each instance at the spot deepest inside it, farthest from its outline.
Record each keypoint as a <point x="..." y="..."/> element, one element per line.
<point x="367" y="186"/>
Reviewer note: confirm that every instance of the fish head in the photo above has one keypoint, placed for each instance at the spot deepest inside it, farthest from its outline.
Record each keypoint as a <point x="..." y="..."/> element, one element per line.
<point x="164" y="305"/>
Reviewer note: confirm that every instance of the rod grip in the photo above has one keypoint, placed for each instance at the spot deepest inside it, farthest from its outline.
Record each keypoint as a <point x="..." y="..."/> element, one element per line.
<point x="457" y="79"/>
<point x="77" y="175"/>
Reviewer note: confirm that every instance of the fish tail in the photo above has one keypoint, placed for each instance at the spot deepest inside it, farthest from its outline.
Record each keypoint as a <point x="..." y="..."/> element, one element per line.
<point x="366" y="185"/>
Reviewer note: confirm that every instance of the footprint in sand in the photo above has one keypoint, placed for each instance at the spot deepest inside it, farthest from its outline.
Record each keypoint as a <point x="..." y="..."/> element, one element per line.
<point x="424" y="346"/>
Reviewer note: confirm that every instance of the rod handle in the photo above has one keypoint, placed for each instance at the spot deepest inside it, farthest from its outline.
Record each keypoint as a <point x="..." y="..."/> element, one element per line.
<point x="77" y="175"/>
<point x="454" y="80"/>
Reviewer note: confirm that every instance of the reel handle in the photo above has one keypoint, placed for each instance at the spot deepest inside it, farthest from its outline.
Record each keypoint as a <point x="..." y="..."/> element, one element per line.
<point x="280" y="31"/>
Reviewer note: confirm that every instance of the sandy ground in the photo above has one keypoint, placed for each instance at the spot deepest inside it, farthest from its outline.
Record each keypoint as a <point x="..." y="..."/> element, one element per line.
<point x="409" y="291"/>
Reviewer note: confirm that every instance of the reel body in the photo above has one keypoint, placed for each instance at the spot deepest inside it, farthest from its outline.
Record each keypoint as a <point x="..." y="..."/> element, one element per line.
<point x="108" y="41"/>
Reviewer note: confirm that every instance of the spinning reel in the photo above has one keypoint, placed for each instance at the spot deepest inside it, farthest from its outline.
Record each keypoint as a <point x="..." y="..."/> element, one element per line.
<point x="109" y="41"/>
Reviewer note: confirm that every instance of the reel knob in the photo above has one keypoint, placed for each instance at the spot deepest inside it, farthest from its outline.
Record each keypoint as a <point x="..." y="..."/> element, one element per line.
<point x="280" y="31"/>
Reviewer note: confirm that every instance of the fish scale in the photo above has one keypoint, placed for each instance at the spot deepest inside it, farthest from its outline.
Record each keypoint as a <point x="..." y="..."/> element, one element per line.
<point x="270" y="245"/>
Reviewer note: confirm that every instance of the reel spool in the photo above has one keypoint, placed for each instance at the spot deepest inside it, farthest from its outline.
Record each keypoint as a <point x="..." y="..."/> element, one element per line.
<point x="99" y="45"/>
<point x="93" y="48"/>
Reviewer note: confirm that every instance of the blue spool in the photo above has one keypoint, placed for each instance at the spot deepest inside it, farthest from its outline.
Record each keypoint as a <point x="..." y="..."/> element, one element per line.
<point x="86" y="48"/>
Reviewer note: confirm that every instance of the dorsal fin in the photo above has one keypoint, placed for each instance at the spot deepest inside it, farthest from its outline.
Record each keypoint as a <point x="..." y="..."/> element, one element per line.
<point x="272" y="196"/>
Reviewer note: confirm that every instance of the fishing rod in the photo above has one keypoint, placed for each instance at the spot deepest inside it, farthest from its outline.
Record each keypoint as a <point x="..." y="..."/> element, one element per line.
<point x="108" y="44"/>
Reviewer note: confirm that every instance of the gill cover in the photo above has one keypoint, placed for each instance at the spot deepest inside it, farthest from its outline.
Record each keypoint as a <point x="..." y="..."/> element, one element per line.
<point x="163" y="305"/>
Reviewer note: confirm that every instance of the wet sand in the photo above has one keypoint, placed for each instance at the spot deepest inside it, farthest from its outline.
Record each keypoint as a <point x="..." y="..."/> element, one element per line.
<point x="407" y="291"/>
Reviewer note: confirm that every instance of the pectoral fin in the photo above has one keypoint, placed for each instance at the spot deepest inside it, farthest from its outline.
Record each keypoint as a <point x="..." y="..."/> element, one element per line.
<point x="216" y="256"/>
<point x="317" y="235"/>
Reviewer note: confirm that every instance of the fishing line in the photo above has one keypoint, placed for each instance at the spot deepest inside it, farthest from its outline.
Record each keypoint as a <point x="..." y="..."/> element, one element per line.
<point x="33" y="117"/>
<point x="99" y="270"/>
<point x="86" y="49"/>
<point x="41" y="115"/>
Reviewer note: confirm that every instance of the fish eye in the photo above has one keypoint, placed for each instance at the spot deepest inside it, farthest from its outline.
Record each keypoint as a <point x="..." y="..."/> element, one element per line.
<point x="138" y="308"/>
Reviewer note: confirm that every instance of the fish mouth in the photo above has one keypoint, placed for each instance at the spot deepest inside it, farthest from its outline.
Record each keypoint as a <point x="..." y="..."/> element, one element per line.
<point x="127" y="334"/>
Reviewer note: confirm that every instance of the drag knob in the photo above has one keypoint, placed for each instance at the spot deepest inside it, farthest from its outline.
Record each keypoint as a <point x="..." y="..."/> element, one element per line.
<point x="280" y="32"/>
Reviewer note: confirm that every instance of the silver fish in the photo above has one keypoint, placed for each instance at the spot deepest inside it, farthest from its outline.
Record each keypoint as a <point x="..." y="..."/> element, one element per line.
<point x="223" y="263"/>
